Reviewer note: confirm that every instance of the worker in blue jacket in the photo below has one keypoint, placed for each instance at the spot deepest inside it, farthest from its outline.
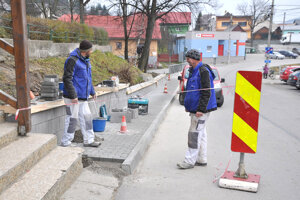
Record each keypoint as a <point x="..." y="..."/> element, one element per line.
<point x="78" y="87"/>
<point x="199" y="101"/>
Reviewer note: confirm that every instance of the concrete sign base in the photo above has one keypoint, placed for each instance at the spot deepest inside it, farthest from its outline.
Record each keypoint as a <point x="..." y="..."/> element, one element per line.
<point x="229" y="181"/>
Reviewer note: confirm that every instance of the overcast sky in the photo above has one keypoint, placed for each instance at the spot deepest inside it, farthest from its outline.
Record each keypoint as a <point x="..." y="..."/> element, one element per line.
<point x="291" y="7"/>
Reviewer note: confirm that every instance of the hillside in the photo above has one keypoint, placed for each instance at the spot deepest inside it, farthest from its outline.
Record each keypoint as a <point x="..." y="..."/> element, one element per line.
<point x="104" y="65"/>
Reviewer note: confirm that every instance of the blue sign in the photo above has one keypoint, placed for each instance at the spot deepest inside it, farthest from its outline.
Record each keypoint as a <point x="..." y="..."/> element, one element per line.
<point x="267" y="61"/>
<point x="269" y="50"/>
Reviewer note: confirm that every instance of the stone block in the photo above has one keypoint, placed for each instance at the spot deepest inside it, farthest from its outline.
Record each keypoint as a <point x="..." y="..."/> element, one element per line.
<point x="134" y="112"/>
<point x="116" y="117"/>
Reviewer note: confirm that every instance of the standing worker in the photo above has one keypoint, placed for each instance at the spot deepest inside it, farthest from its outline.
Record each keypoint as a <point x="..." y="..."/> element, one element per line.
<point x="78" y="87"/>
<point x="199" y="101"/>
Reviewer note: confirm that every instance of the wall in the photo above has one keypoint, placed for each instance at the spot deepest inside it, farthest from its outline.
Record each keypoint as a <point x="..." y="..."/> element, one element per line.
<point x="194" y="41"/>
<point x="43" y="48"/>
<point x="132" y="46"/>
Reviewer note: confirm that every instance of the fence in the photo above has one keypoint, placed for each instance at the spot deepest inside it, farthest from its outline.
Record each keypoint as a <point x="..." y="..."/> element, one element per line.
<point x="50" y="34"/>
<point x="176" y="68"/>
<point x="167" y="58"/>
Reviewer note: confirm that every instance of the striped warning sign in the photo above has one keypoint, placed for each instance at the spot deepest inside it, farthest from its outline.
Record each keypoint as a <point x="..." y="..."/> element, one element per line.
<point x="246" y="111"/>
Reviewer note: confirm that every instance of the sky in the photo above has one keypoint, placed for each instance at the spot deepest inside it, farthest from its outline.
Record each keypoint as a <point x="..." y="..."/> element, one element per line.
<point x="291" y="7"/>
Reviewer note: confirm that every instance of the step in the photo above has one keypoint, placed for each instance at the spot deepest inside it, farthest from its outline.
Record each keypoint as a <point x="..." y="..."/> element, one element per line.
<point x="49" y="178"/>
<point x="8" y="133"/>
<point x="19" y="156"/>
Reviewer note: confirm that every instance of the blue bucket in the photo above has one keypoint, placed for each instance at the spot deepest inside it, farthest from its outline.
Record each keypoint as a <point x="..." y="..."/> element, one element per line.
<point x="99" y="124"/>
<point x="61" y="86"/>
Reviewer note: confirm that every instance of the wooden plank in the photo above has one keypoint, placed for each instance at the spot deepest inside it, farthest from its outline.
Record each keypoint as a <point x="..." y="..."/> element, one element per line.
<point x="8" y="99"/>
<point x="6" y="46"/>
<point x="19" y="24"/>
<point x="8" y="109"/>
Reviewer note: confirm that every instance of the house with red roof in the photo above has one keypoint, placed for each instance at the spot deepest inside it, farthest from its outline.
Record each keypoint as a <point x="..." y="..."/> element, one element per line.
<point x="138" y="22"/>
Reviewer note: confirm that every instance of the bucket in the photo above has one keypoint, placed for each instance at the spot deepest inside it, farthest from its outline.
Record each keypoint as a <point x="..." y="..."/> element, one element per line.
<point x="99" y="124"/>
<point x="61" y="86"/>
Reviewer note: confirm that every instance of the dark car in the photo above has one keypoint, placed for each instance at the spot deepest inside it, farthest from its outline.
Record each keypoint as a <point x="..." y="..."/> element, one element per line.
<point x="288" y="54"/>
<point x="298" y="84"/>
<point x="296" y="51"/>
<point x="293" y="78"/>
<point x="217" y="85"/>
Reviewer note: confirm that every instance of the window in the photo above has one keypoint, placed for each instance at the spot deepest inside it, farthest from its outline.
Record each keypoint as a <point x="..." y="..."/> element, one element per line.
<point x="209" y="48"/>
<point x="242" y="23"/>
<point x="225" y="24"/>
<point x="177" y="29"/>
<point x="118" y="45"/>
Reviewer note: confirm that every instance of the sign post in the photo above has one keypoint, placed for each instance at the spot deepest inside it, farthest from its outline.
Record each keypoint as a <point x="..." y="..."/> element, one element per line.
<point x="244" y="129"/>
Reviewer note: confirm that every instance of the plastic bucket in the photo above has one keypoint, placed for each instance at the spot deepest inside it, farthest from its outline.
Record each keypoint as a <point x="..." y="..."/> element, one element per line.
<point x="99" y="124"/>
<point x="61" y="86"/>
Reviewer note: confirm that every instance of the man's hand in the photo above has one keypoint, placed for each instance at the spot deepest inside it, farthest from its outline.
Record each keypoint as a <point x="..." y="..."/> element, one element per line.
<point x="94" y="97"/>
<point x="199" y="114"/>
<point x="75" y="100"/>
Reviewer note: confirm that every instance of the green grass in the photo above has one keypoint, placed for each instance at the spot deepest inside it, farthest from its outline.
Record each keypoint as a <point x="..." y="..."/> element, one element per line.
<point x="104" y="65"/>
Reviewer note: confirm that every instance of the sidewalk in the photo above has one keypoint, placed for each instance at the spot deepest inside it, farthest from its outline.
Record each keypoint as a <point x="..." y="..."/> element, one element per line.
<point x="121" y="147"/>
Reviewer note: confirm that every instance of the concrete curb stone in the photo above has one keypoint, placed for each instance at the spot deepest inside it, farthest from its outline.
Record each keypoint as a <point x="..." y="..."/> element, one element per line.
<point x="132" y="161"/>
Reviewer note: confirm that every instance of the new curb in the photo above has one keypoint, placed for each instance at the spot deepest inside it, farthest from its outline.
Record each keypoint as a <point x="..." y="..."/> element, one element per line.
<point x="132" y="161"/>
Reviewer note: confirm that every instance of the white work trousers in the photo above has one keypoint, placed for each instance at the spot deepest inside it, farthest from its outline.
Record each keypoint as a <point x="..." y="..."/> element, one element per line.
<point x="74" y="112"/>
<point x="197" y="140"/>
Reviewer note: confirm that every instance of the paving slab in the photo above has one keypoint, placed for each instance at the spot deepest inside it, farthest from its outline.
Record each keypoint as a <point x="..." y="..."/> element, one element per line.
<point x="117" y="146"/>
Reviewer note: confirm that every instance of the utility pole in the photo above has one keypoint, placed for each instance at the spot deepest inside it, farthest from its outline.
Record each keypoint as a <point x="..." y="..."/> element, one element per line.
<point x="270" y="31"/>
<point x="229" y="40"/>
<point x="283" y="22"/>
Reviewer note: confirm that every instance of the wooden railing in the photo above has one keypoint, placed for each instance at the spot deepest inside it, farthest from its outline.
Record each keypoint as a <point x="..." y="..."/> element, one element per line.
<point x="20" y="51"/>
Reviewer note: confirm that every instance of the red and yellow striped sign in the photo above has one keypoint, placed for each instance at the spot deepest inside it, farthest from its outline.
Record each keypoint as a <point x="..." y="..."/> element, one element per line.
<point x="246" y="111"/>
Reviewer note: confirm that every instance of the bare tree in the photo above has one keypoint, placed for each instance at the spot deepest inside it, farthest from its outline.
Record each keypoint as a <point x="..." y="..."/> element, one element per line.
<point x="82" y="4"/>
<point x="47" y="7"/>
<point x="157" y="9"/>
<point x="127" y="17"/>
<point x="4" y="5"/>
<point x="258" y="10"/>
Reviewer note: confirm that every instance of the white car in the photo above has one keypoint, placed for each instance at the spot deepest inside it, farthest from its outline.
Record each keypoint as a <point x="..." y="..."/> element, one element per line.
<point x="276" y="55"/>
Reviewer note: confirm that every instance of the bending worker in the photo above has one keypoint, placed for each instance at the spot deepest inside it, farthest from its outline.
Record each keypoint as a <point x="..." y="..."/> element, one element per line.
<point x="78" y="87"/>
<point x="199" y="103"/>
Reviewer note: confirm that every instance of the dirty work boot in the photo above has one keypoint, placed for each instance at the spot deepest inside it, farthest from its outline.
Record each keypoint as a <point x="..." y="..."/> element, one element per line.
<point x="184" y="165"/>
<point x="93" y="144"/>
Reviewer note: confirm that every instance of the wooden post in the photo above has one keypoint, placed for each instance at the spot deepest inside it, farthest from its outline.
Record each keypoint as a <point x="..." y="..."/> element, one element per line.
<point x="18" y="15"/>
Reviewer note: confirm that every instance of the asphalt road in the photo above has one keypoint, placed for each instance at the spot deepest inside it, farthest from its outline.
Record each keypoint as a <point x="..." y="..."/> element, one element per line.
<point x="277" y="160"/>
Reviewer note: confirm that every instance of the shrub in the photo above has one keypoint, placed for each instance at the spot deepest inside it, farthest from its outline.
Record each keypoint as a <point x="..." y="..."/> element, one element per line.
<point x="58" y="31"/>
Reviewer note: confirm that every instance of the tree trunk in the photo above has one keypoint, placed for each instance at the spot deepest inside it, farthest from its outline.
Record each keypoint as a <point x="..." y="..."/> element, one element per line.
<point x="81" y="11"/>
<point x="124" y="7"/>
<point x="251" y="39"/>
<point x="71" y="3"/>
<point x="151" y="18"/>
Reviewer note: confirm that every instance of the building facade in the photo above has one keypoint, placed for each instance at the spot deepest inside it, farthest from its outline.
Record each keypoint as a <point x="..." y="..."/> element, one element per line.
<point x="217" y="44"/>
<point x="227" y="20"/>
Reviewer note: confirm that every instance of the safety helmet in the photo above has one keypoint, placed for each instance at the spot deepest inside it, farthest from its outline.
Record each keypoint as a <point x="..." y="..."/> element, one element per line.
<point x="193" y="53"/>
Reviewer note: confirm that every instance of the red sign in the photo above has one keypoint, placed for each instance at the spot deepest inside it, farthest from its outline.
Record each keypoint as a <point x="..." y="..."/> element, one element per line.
<point x="205" y="35"/>
<point x="208" y="35"/>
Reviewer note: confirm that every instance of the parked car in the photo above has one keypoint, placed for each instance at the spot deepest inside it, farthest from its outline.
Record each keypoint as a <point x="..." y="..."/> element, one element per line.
<point x="285" y="72"/>
<point x="217" y="85"/>
<point x="276" y="55"/>
<point x="298" y="84"/>
<point x="288" y="54"/>
<point x="293" y="78"/>
<point x="296" y="50"/>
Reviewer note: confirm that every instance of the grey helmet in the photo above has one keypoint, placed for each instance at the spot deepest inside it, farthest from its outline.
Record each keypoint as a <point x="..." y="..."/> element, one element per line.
<point x="193" y="53"/>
